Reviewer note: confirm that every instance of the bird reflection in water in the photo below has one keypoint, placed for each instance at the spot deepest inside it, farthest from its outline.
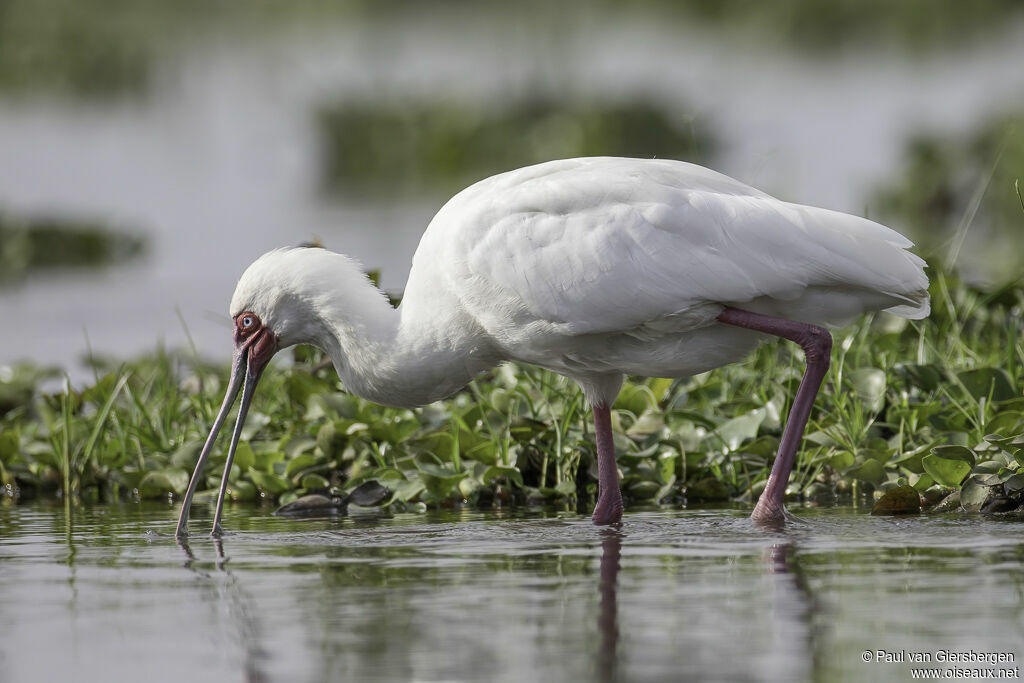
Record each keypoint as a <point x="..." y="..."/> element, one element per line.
<point x="607" y="620"/>
<point x="224" y="590"/>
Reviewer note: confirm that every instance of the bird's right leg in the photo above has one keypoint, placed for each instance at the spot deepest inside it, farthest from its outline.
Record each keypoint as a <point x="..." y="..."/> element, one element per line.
<point x="817" y="345"/>
<point x="609" y="499"/>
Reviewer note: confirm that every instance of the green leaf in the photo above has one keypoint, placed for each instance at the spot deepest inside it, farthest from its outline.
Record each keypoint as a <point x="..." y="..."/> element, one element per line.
<point x="979" y="382"/>
<point x="869" y="383"/>
<point x="187" y="455"/>
<point x="973" y="494"/>
<point x="314" y="481"/>
<point x="300" y="462"/>
<point x="870" y="471"/>
<point x="733" y="432"/>
<point x="9" y="446"/>
<point x="270" y="483"/>
<point x="439" y="482"/>
<point x="841" y="460"/>
<point x="924" y="482"/>
<point x="511" y="474"/>
<point x="264" y="460"/>
<point x="242" y="491"/>
<point x="244" y="456"/>
<point x="901" y="500"/>
<point x="163" y="481"/>
<point x="962" y="453"/>
<point x="944" y="471"/>
<point x="1014" y="484"/>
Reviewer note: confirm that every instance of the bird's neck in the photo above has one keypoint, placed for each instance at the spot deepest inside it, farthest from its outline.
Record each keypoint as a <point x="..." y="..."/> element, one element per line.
<point x="408" y="356"/>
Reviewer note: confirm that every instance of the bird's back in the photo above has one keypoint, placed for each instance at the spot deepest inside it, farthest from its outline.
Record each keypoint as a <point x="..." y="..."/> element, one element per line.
<point x="651" y="248"/>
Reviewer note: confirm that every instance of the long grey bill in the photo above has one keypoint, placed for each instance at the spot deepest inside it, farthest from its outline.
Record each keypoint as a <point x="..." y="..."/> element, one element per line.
<point x="251" y="380"/>
<point x="234" y="384"/>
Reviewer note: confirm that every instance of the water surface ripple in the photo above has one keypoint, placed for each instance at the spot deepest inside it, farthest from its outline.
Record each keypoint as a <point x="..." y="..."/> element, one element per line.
<point x="107" y="594"/>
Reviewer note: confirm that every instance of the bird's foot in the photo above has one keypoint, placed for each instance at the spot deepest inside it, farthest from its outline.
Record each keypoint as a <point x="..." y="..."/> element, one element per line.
<point x="608" y="510"/>
<point x="769" y="515"/>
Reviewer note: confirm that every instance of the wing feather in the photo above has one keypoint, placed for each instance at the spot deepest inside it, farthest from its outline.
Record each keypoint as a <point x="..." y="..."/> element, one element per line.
<point x="646" y="247"/>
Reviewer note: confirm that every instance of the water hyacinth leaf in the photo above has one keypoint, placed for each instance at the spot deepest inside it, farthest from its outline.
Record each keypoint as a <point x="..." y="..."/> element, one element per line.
<point x="944" y="471"/>
<point x="314" y="481"/>
<point x="902" y="500"/>
<point x="300" y="386"/>
<point x="667" y="463"/>
<point x="996" y="439"/>
<point x="164" y="481"/>
<point x="841" y="460"/>
<point x="635" y="398"/>
<point x="393" y="430"/>
<point x="961" y="453"/>
<point x="299" y="463"/>
<point x="245" y="457"/>
<point x="298" y="446"/>
<point x="926" y="377"/>
<point x="924" y="482"/>
<point x="735" y="431"/>
<point x="408" y="489"/>
<point x="869" y="470"/>
<point x="187" y="455"/>
<point x="485" y="452"/>
<point x="869" y="383"/>
<point x="265" y="460"/>
<point x="510" y="474"/>
<point x="1014" y="484"/>
<point x="9" y="446"/>
<point x="1006" y="422"/>
<point x="666" y="489"/>
<point x="267" y="482"/>
<point x="439" y="482"/>
<point x="973" y="494"/>
<point x="330" y="440"/>
<point x="253" y="424"/>
<point x="242" y="492"/>
<point x="659" y="387"/>
<point x="643" y="490"/>
<point x="981" y="382"/>
<point x="910" y="460"/>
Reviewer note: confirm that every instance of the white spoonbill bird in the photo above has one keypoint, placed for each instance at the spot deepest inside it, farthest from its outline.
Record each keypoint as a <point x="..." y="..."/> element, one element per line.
<point x="594" y="268"/>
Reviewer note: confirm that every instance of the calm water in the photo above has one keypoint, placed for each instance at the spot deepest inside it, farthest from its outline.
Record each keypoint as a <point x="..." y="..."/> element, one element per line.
<point x="680" y="595"/>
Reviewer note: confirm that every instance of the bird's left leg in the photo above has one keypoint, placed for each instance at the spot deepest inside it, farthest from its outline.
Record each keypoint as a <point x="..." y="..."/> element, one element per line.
<point x="609" y="499"/>
<point x="817" y="345"/>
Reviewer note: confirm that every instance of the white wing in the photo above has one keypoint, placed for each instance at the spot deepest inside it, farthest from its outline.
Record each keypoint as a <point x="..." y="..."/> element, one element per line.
<point x="600" y="245"/>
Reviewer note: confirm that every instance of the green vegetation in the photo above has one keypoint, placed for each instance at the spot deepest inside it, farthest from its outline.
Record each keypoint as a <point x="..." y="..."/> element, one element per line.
<point x="444" y="147"/>
<point x="827" y="26"/>
<point x="937" y="405"/>
<point x="967" y="191"/>
<point x="40" y="244"/>
<point x="105" y="48"/>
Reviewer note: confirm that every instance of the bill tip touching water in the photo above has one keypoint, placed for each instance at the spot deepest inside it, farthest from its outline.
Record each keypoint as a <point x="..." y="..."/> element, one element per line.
<point x="594" y="268"/>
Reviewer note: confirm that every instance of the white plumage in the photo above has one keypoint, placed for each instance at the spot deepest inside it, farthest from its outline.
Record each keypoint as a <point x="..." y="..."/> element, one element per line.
<point x="594" y="268"/>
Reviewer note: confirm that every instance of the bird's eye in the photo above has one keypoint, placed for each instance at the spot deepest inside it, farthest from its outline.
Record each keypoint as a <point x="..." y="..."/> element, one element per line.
<point x="247" y="321"/>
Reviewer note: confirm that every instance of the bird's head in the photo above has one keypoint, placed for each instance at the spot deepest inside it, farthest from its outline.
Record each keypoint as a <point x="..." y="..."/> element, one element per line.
<point x="268" y="313"/>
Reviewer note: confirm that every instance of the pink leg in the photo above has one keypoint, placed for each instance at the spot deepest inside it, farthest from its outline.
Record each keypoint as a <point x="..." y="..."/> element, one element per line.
<point x="817" y="345"/>
<point x="609" y="499"/>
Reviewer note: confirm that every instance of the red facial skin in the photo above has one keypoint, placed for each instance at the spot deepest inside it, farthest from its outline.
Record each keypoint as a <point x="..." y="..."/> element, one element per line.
<point x="256" y="339"/>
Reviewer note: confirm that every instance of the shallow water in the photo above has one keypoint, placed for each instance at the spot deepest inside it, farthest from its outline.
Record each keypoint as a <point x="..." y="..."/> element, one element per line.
<point x="675" y="595"/>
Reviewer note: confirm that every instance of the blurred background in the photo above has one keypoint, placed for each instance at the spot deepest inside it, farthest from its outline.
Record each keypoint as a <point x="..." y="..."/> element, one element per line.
<point x="149" y="151"/>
